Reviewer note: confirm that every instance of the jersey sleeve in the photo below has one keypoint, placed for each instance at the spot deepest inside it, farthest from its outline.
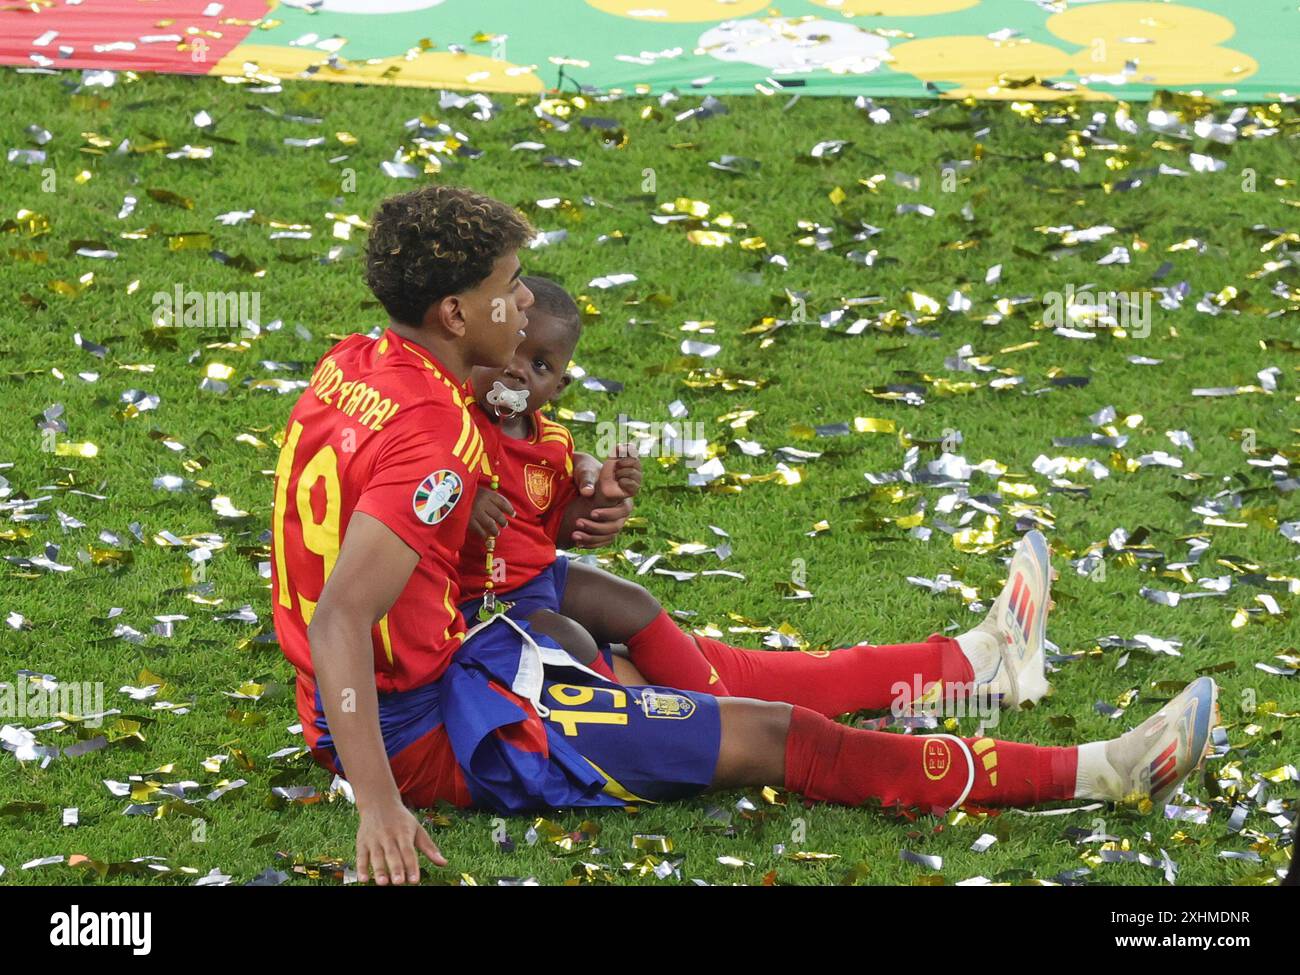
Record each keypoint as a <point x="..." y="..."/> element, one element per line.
<point x="421" y="474"/>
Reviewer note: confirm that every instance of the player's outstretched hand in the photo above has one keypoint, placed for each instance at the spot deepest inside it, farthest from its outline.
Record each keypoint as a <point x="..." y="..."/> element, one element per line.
<point x="491" y="513"/>
<point x="389" y="840"/>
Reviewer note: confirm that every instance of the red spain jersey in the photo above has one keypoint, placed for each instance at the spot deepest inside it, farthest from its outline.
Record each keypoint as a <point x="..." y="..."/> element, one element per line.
<point x="383" y="428"/>
<point x="536" y="477"/>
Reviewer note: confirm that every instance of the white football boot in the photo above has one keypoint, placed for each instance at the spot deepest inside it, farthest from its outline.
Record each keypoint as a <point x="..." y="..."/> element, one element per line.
<point x="1006" y="651"/>
<point x="1153" y="759"/>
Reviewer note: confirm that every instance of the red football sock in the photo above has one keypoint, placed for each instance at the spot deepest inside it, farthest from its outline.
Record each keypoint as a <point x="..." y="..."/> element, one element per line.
<point x="832" y="762"/>
<point x="600" y="666"/>
<point x="839" y="681"/>
<point x="1011" y="773"/>
<point x="667" y="656"/>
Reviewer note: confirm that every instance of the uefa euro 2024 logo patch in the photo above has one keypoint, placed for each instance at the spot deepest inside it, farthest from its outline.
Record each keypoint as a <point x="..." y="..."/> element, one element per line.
<point x="436" y="496"/>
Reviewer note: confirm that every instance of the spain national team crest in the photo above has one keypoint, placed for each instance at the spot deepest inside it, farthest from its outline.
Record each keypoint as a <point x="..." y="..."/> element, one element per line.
<point x="658" y="705"/>
<point x="436" y="496"/>
<point x="537" y="482"/>
<point x="936" y="758"/>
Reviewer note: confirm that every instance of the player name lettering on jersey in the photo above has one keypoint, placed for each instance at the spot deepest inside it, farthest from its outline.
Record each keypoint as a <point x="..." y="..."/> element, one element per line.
<point x="351" y="397"/>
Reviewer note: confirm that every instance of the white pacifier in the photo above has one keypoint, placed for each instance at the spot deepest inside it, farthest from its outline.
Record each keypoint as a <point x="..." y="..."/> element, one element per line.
<point x="506" y="401"/>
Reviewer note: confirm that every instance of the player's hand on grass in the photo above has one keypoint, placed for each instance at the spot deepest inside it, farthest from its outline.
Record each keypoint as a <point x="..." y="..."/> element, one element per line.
<point x="491" y="513"/>
<point x="389" y="841"/>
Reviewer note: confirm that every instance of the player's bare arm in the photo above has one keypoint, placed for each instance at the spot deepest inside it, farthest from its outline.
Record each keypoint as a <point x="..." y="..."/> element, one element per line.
<point x="355" y="597"/>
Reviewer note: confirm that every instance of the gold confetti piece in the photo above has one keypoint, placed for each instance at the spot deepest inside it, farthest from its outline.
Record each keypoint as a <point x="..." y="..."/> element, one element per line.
<point x="177" y="807"/>
<point x="31" y="256"/>
<point x="708" y="238"/>
<point x="142" y="791"/>
<point x="249" y="690"/>
<point x="551" y="831"/>
<point x="89" y="103"/>
<point x="157" y="145"/>
<point x="721" y="379"/>
<point x="110" y="556"/>
<point x="923" y="303"/>
<point x="62" y="448"/>
<point x="591" y="873"/>
<point x="653" y="842"/>
<point x="978" y="541"/>
<point x="218" y="371"/>
<point x="738" y="419"/>
<point x="171" y="199"/>
<point x="945" y="386"/>
<point x="1017" y="489"/>
<point x="198" y="241"/>
<point x="69" y="290"/>
<point x="808" y="856"/>
<point x="871" y="424"/>
<point x="30" y="222"/>
<point x="837" y="196"/>
<point x="683" y="205"/>
<point x="121" y="729"/>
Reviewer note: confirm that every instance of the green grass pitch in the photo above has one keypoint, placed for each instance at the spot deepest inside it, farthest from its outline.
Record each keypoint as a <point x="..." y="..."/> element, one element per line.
<point x="1005" y="189"/>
